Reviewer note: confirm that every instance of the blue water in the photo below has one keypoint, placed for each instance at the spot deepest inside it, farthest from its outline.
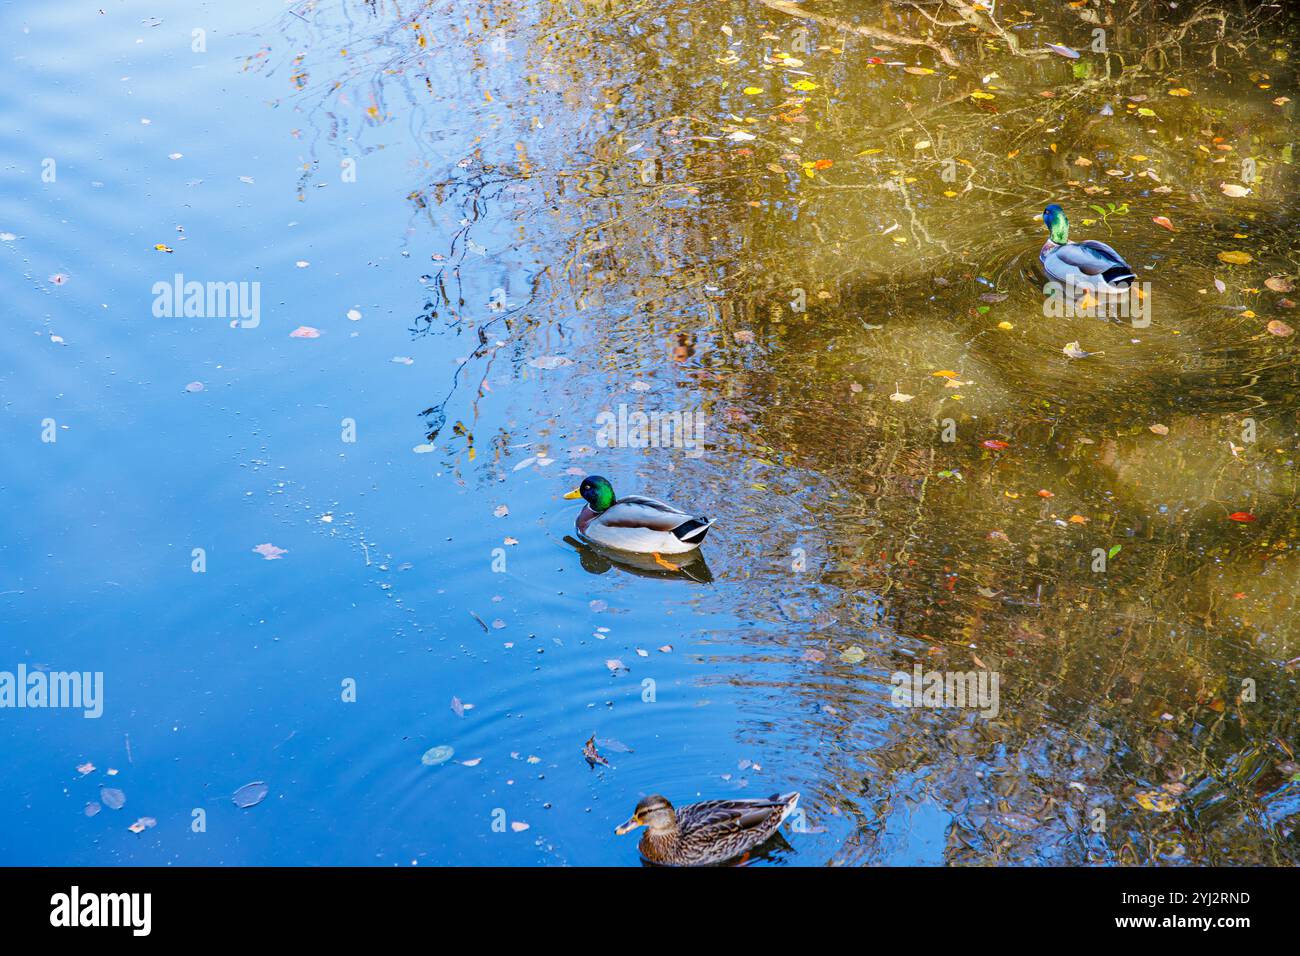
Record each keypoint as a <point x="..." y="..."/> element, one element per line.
<point x="216" y="679"/>
<point x="450" y="206"/>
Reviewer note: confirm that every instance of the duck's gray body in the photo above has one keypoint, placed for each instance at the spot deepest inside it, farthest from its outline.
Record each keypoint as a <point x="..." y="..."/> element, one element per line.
<point x="643" y="525"/>
<point x="1088" y="266"/>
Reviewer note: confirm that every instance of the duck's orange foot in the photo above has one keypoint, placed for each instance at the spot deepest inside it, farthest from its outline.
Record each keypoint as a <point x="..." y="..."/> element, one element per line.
<point x="664" y="564"/>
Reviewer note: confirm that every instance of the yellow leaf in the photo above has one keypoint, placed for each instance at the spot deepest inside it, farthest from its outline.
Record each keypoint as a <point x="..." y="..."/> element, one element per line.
<point x="753" y="90"/>
<point x="804" y="86"/>
<point x="1156" y="800"/>
<point x="981" y="95"/>
<point x="1235" y="258"/>
<point x="1180" y="91"/>
<point x="1005" y="326"/>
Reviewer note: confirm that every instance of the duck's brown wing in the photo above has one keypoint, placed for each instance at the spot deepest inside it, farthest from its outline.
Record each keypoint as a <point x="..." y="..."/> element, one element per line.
<point x="742" y="821"/>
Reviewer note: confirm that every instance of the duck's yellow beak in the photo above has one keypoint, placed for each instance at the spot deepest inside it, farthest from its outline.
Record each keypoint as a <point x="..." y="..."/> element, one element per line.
<point x="575" y="493"/>
<point x="628" y="826"/>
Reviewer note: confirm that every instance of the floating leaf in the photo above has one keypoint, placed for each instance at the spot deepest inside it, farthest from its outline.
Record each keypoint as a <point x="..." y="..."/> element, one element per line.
<point x="591" y="754"/>
<point x="853" y="655"/>
<point x="112" y="798"/>
<point x="1114" y="550"/>
<point x="1236" y="258"/>
<point x="1063" y="50"/>
<point x="804" y="86"/>
<point x="1233" y="190"/>
<point x="305" y="332"/>
<point x="1163" y="221"/>
<point x="1279" y="283"/>
<point x="548" y="362"/>
<point x="1280" y="328"/>
<point x="995" y="444"/>
<point x="1245" y="517"/>
<point x="269" y="551"/>
<point x="1156" y="800"/>
<point x="250" y="794"/>
<point x="437" y="755"/>
<point x="1159" y="429"/>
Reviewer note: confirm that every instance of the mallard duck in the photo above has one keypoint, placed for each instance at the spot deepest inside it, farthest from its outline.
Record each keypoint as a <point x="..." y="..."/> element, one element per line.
<point x="1088" y="266"/>
<point x="703" y="833"/>
<point x="635" y="524"/>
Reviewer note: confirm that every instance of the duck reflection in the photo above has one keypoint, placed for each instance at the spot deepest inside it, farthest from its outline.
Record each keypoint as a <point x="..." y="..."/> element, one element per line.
<point x="599" y="560"/>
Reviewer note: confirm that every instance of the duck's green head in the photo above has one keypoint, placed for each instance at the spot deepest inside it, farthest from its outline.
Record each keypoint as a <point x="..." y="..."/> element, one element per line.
<point x="1057" y="224"/>
<point x="596" y="491"/>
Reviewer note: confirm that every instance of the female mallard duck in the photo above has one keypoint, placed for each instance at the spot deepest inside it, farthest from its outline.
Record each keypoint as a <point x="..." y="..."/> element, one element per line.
<point x="703" y="833"/>
<point x="1088" y="266"/>
<point x="636" y="524"/>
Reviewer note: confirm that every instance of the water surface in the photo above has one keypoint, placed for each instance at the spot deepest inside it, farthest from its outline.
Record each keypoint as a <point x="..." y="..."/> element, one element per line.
<point x="504" y="220"/>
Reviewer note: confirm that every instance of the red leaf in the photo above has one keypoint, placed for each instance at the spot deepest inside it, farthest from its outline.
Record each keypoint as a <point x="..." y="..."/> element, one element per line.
<point x="1162" y="221"/>
<point x="995" y="444"/>
<point x="1241" y="516"/>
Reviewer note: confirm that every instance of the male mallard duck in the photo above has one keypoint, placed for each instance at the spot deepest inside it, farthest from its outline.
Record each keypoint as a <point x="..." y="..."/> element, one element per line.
<point x="636" y="524"/>
<point x="710" y="832"/>
<point x="1088" y="266"/>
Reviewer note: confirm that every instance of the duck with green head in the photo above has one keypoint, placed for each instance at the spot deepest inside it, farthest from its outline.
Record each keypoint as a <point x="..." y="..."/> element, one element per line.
<point x="635" y="523"/>
<point x="1082" y="267"/>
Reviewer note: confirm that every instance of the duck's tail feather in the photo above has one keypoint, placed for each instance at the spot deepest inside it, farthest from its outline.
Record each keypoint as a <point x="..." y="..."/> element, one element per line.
<point x="693" y="530"/>
<point x="790" y="800"/>
<point x="1118" y="276"/>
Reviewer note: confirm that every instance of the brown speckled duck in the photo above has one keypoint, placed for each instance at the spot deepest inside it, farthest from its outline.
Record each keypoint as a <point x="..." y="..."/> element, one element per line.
<point x="710" y="832"/>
